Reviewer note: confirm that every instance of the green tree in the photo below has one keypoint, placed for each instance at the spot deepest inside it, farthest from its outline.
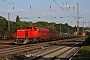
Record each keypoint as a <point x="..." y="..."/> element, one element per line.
<point x="13" y="26"/>
<point x="3" y="25"/>
<point x="17" y="19"/>
<point x="26" y="24"/>
<point x="19" y="25"/>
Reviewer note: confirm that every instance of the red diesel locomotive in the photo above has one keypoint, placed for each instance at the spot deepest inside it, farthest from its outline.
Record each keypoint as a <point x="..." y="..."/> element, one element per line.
<point x="31" y="35"/>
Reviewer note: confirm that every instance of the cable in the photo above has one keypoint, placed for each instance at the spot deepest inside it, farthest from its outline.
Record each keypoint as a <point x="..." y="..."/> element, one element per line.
<point x="63" y="9"/>
<point x="36" y="12"/>
<point x="24" y="8"/>
<point x="50" y="8"/>
<point x="73" y="9"/>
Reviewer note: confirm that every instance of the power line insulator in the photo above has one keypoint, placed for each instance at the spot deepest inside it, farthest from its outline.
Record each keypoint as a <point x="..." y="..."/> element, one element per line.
<point x="13" y="7"/>
<point x="50" y="6"/>
<point x="30" y="7"/>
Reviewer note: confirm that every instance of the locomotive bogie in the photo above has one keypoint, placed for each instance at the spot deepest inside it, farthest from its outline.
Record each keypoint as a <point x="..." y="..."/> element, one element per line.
<point x="19" y="40"/>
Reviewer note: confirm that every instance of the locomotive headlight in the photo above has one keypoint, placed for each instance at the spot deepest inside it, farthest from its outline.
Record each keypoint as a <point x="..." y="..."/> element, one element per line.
<point x="17" y="36"/>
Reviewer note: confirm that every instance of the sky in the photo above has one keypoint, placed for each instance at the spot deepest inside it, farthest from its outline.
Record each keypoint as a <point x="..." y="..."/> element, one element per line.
<point x="58" y="11"/>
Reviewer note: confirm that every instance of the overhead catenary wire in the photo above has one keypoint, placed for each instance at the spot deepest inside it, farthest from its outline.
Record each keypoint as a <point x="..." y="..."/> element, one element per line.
<point x="13" y="8"/>
<point x="25" y="9"/>
<point x="30" y="10"/>
<point x="11" y="14"/>
<point x="73" y="7"/>
<point x="50" y="8"/>
<point x="65" y="11"/>
<point x="61" y="8"/>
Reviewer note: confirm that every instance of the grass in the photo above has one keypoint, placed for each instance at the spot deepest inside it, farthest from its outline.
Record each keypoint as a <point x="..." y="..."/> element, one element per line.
<point x="85" y="51"/>
<point x="87" y="42"/>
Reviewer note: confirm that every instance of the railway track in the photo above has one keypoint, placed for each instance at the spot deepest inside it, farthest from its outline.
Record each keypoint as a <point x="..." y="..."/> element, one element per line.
<point x="45" y="50"/>
<point x="58" y="52"/>
<point x="34" y="52"/>
<point x="9" y="43"/>
<point x="51" y="54"/>
<point x="22" y="48"/>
